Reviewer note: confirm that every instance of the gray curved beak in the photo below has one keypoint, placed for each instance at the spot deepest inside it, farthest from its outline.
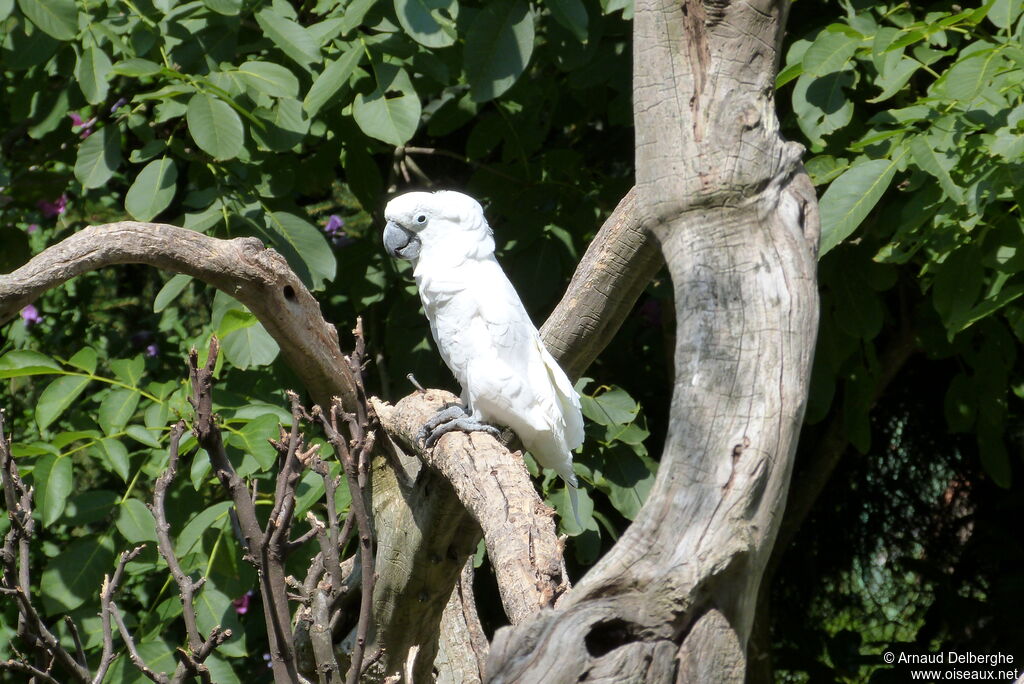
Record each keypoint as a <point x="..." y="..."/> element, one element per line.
<point x="401" y="243"/>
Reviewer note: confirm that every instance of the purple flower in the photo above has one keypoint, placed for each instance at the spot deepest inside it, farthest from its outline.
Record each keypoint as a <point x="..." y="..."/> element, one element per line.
<point x="121" y="102"/>
<point x="152" y="350"/>
<point x="30" y="315"/>
<point x="333" y="228"/>
<point x="241" y="603"/>
<point x="32" y="227"/>
<point x="334" y="224"/>
<point x="85" y="127"/>
<point x="55" y="208"/>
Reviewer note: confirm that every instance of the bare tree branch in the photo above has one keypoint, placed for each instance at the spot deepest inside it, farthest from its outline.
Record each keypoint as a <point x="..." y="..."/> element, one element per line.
<point x="256" y="276"/>
<point x="268" y="563"/>
<point x="616" y="268"/>
<point x="16" y="580"/>
<point x="495" y="487"/>
<point x="108" y="611"/>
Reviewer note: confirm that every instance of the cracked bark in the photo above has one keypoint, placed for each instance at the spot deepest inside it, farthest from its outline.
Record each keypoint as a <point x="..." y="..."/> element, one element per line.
<point x="735" y="216"/>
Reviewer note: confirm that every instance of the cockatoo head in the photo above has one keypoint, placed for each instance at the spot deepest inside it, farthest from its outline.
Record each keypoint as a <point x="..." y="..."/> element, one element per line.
<point x="425" y="221"/>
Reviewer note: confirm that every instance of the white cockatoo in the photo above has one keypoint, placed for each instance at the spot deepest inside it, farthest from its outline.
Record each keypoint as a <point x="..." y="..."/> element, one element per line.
<point x="483" y="331"/>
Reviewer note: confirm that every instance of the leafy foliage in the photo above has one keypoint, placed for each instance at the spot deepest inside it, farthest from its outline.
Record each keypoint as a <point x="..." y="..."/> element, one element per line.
<point x="913" y="116"/>
<point x="290" y="123"/>
<point x="911" y="112"/>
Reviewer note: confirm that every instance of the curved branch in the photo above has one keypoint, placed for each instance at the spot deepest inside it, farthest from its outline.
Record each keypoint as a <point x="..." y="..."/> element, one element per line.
<point x="496" y="489"/>
<point x="617" y="266"/>
<point x="243" y="267"/>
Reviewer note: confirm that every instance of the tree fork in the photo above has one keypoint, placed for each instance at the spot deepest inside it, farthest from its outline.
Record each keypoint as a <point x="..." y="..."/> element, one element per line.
<point x="736" y="220"/>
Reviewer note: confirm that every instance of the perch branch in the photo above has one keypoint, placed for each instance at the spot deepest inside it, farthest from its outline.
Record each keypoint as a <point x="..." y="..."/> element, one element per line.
<point x="495" y="487"/>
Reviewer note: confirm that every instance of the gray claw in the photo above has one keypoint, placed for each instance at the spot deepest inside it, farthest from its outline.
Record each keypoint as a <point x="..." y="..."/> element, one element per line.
<point x="449" y="419"/>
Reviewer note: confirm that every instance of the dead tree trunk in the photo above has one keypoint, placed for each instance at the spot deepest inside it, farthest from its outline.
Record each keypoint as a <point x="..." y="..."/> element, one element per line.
<point x="727" y="199"/>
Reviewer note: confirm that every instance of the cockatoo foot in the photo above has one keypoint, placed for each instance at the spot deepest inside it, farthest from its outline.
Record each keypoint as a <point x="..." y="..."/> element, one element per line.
<point x="449" y="419"/>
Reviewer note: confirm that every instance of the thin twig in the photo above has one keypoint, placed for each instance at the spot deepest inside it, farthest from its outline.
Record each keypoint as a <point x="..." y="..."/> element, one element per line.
<point x="25" y="668"/>
<point x="79" y="650"/>
<point x="269" y="562"/>
<point x="133" y="652"/>
<point x="108" y="612"/>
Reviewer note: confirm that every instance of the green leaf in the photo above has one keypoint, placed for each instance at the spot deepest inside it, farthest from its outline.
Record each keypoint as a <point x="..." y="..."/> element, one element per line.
<point x="73" y="577"/>
<point x="53" y="480"/>
<point x="214" y="609"/>
<point x="285" y="126"/>
<point x="157" y="654"/>
<point x="788" y="74"/>
<point x="115" y="454"/>
<point x="57" y="18"/>
<point x="927" y="158"/>
<point x="228" y="8"/>
<point x="830" y="52"/>
<point x="89" y="507"/>
<point x="1004" y="12"/>
<point x="859" y="312"/>
<point x="99" y="155"/>
<point x="135" y="522"/>
<point x="137" y="68"/>
<point x="234" y="319"/>
<point x="116" y="409"/>
<point x="129" y="371"/>
<point x="19" y="363"/>
<point x="567" y="524"/>
<point x="972" y="74"/>
<point x="498" y="48"/>
<point x="290" y="37"/>
<point x="430" y="23"/>
<point x="572" y="14"/>
<point x="821" y="104"/>
<point x="216" y="517"/>
<point x="334" y="76"/>
<point x="92" y="71"/>
<point x="252" y="439"/>
<point x="57" y="397"/>
<point x="215" y="126"/>
<point x="250" y="346"/>
<point x="152" y="190"/>
<point x="895" y="78"/>
<point x="85" y="359"/>
<point x="850" y="198"/>
<point x="270" y="79"/>
<point x="614" y="406"/>
<point x="956" y="288"/>
<point x="308" y="244"/>
<point x="630" y="479"/>
<point x="391" y="112"/>
<point x="143" y="436"/>
<point x="170" y="291"/>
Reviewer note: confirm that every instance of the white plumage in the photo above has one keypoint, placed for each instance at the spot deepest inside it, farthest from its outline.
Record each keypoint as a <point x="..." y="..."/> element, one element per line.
<point x="482" y="329"/>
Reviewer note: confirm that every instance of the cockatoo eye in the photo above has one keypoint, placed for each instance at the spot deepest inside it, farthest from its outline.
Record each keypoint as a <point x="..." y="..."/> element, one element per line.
<point x="422" y="218"/>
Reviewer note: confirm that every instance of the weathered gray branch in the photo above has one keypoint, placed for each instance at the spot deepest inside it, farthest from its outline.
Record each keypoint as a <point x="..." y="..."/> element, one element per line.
<point x="256" y="276"/>
<point x="614" y="271"/>
<point x="494" y="485"/>
<point x="726" y="199"/>
<point x="462" y="655"/>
